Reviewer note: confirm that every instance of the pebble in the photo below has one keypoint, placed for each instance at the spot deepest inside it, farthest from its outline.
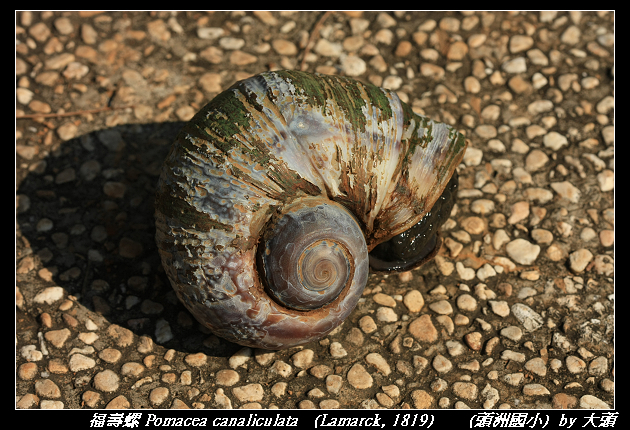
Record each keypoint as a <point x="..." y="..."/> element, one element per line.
<point x="240" y="58"/>
<point x="579" y="260"/>
<point x="512" y="332"/>
<point x="442" y="307"/>
<point x="500" y="308"/>
<point x="598" y="367"/>
<point x="454" y="348"/>
<point x="249" y="393"/>
<point x="516" y="65"/>
<point x="367" y="324"/>
<point x="57" y="337"/>
<point x="555" y="140"/>
<point x="421" y="399"/>
<point x="514" y="379"/>
<point x="47" y="388"/>
<point x="563" y="401"/>
<point x="227" y="377"/>
<point x="106" y="381"/>
<point x="221" y="400"/>
<point x="158" y="395"/>
<point x="571" y="35"/>
<point x="196" y="360"/>
<point x="575" y="364"/>
<point x="520" y="43"/>
<point x="442" y="364"/>
<point x="334" y="383"/>
<point x="355" y="66"/>
<point x="606" y="180"/>
<point x="377" y="360"/>
<point x="474" y="340"/>
<point x="27" y="371"/>
<point x="132" y="369"/>
<point x="358" y="377"/>
<point x="522" y="251"/>
<point x="491" y="396"/>
<point x="567" y="191"/>
<point x="528" y="318"/>
<point x="423" y="330"/>
<point x="465" y="273"/>
<point x="520" y="212"/>
<point x="466" y="302"/>
<point x="281" y="368"/>
<point x="509" y="355"/>
<point x="465" y="390"/>
<point x="303" y="359"/>
<point x="535" y="390"/>
<point x="591" y="402"/>
<point x="337" y="350"/>
<point x="241" y="357"/>
<point x="385" y="314"/>
<point x="49" y="295"/>
<point x="414" y="301"/>
<point x="537" y="366"/>
<point x="79" y="362"/>
<point x="320" y="371"/>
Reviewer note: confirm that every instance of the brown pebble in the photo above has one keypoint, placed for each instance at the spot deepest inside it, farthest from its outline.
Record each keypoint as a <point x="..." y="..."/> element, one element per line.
<point x="563" y="401"/>
<point x="423" y="330"/>
<point x="27" y="371"/>
<point x="47" y="388"/>
<point x="119" y="402"/>
<point x="421" y="399"/>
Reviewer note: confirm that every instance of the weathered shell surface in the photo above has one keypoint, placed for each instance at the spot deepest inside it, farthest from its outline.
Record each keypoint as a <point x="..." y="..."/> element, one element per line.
<point x="265" y="143"/>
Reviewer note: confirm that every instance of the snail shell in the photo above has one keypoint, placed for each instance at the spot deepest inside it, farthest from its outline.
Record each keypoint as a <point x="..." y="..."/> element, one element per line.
<point x="273" y="195"/>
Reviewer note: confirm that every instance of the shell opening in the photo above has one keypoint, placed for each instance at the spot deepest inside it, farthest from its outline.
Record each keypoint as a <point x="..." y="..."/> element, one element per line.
<point x="420" y="243"/>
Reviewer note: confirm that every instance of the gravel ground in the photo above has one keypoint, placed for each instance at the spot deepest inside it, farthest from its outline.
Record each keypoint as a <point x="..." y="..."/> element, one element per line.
<point x="515" y="312"/>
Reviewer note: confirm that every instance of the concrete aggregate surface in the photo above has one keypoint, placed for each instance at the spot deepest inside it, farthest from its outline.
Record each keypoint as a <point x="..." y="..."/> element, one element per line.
<point x="516" y="311"/>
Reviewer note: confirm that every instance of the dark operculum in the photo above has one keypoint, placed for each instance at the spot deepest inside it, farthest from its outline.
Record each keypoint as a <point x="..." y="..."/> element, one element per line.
<point x="414" y="247"/>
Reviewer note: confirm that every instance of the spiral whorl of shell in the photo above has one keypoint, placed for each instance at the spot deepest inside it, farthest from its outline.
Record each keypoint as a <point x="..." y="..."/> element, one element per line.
<point x="262" y="145"/>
